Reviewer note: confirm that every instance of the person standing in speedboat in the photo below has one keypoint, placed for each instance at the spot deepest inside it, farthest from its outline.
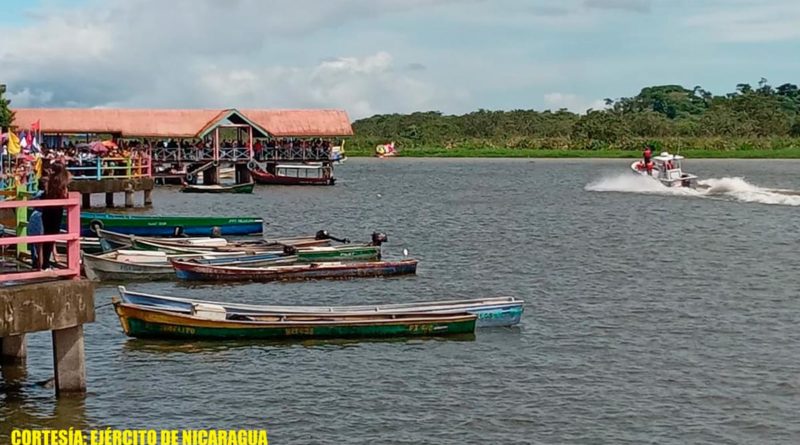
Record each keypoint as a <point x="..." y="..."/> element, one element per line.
<point x="647" y="155"/>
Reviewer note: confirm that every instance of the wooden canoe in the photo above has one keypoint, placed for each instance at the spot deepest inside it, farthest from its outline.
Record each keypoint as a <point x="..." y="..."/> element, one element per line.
<point x="491" y="312"/>
<point x="219" y="188"/>
<point x="126" y="265"/>
<point x="186" y="270"/>
<point x="147" y="322"/>
<point x="207" y="244"/>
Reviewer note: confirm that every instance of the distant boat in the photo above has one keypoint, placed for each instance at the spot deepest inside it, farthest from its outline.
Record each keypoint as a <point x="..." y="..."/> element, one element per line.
<point x="491" y="312"/>
<point x="147" y="225"/>
<point x="386" y="150"/>
<point x="211" y="324"/>
<point x="219" y="188"/>
<point x="187" y="270"/>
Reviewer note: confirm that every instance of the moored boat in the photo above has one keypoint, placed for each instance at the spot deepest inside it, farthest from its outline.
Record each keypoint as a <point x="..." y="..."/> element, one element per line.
<point x="187" y="270"/>
<point x="223" y="246"/>
<point x="147" y="225"/>
<point x="147" y="322"/>
<point x="491" y="312"/>
<point x="126" y="265"/>
<point x="665" y="168"/>
<point x="317" y="173"/>
<point x="219" y="188"/>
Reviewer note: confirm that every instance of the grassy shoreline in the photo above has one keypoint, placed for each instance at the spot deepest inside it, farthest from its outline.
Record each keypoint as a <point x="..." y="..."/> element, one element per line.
<point x="783" y="153"/>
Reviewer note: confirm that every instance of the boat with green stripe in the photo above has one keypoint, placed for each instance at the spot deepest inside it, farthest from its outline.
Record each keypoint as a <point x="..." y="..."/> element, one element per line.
<point x="154" y="225"/>
<point x="145" y="322"/>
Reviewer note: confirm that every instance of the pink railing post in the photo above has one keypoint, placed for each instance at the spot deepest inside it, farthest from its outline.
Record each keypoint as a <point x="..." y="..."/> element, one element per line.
<point x="73" y="207"/>
<point x="74" y="226"/>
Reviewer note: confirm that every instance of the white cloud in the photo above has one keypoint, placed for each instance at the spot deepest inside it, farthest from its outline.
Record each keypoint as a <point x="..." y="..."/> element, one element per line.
<point x="749" y="20"/>
<point x="207" y="54"/>
<point x="572" y="102"/>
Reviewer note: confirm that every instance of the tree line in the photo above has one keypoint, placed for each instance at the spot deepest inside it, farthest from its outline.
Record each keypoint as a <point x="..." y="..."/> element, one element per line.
<point x="751" y="117"/>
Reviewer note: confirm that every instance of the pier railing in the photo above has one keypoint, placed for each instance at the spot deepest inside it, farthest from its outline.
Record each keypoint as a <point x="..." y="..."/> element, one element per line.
<point x="295" y="154"/>
<point x="72" y="205"/>
<point x="139" y="166"/>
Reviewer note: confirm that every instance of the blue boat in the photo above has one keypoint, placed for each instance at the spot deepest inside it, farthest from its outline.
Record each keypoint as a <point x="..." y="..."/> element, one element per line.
<point x="491" y="312"/>
<point x="153" y="225"/>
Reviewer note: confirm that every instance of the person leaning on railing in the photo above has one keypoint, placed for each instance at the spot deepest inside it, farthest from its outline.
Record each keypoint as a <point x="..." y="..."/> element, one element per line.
<point x="56" y="188"/>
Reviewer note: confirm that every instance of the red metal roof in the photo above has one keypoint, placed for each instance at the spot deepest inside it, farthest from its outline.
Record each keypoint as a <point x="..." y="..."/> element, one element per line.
<point x="180" y="123"/>
<point x="304" y="123"/>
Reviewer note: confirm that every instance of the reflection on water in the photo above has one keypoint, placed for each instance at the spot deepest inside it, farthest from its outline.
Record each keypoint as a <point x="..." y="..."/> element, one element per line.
<point x="152" y="346"/>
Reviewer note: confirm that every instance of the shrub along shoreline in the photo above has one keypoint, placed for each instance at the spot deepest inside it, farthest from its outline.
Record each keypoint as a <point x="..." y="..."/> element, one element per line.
<point x="774" y="148"/>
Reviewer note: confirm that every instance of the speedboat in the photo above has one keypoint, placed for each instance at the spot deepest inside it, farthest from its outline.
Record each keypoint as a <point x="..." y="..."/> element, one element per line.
<point x="666" y="168"/>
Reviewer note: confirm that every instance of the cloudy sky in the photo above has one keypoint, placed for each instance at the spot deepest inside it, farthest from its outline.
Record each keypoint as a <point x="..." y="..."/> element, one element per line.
<point x="383" y="56"/>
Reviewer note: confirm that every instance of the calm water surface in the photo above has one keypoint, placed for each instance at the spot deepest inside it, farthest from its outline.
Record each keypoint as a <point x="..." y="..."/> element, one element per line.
<point x="656" y="317"/>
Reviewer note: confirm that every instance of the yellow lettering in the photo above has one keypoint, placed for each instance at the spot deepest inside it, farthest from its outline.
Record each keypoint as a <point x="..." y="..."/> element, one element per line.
<point x="186" y="438"/>
<point x="16" y="437"/>
<point x="262" y="438"/>
<point x="202" y="437"/>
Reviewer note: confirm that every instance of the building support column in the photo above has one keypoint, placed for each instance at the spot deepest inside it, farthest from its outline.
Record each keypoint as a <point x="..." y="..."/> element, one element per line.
<point x="15" y="349"/>
<point x="69" y="360"/>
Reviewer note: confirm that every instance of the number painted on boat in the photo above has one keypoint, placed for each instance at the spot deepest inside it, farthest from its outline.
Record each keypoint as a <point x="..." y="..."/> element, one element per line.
<point x="421" y="328"/>
<point x="178" y="330"/>
<point x="299" y="331"/>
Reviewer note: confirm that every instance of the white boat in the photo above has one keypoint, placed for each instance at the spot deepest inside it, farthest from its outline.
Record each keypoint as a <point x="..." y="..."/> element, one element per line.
<point x="119" y="265"/>
<point x="666" y="169"/>
<point x="127" y="265"/>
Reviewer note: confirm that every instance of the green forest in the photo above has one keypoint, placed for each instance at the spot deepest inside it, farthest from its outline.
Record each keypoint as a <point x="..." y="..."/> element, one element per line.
<point x="752" y="121"/>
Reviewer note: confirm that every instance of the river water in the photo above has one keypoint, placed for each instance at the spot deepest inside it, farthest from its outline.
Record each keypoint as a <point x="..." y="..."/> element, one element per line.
<point x="652" y="316"/>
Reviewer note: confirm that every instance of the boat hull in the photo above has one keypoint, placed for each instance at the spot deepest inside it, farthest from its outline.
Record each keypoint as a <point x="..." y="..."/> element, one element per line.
<point x="262" y="177"/>
<point x="686" y="180"/>
<point x="237" y="188"/>
<point x="98" y="268"/>
<point x="201" y="272"/>
<point x="141" y="322"/>
<point x="166" y="225"/>
<point x="491" y="312"/>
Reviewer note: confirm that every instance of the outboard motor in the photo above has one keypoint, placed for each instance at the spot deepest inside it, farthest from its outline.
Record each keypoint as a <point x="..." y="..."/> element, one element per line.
<point x="289" y="250"/>
<point x="323" y="234"/>
<point x="379" y="238"/>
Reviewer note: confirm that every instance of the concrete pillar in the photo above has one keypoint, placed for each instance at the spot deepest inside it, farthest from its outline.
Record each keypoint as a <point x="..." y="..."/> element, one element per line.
<point x="69" y="360"/>
<point x="148" y="197"/>
<point x="129" y="198"/>
<point x="86" y="200"/>
<point x="109" y="200"/>
<point x="15" y="349"/>
<point x="242" y="174"/>
<point x="210" y="176"/>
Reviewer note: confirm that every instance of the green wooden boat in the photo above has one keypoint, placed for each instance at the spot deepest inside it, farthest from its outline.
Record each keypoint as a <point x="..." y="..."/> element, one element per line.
<point x="152" y="225"/>
<point x="219" y="188"/>
<point x="350" y="252"/>
<point x="210" y="323"/>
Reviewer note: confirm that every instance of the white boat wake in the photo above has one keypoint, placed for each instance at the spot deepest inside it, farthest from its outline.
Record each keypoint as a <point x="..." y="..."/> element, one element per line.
<point x="728" y="188"/>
